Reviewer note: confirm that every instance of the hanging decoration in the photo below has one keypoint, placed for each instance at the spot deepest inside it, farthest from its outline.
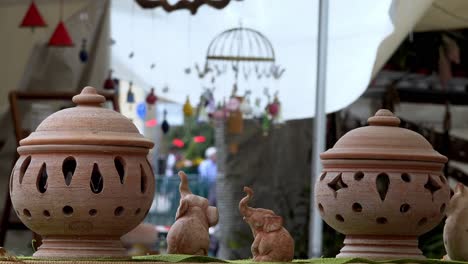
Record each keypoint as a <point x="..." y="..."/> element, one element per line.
<point x="235" y="123"/>
<point x="60" y="37"/>
<point x="240" y="51"/>
<point x="192" y="6"/>
<point x="165" y="125"/>
<point x="274" y="109"/>
<point x="109" y="83"/>
<point x="83" y="52"/>
<point x="151" y="99"/>
<point x="33" y="18"/>
<point x="130" y="96"/>
<point x="206" y="106"/>
<point x="141" y="111"/>
<point x="188" y="114"/>
<point x="188" y="109"/>
<point x="245" y="106"/>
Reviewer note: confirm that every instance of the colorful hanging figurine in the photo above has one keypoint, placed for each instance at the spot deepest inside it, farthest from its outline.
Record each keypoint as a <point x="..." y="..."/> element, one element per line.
<point x="245" y="106"/>
<point x="207" y="105"/>
<point x="83" y="52"/>
<point x="130" y="96"/>
<point x="165" y="125"/>
<point x="235" y="123"/>
<point x="188" y="109"/>
<point x="202" y="115"/>
<point x="188" y="113"/>
<point x="109" y="83"/>
<point x="234" y="102"/>
<point x="257" y="110"/>
<point x="151" y="99"/>
<point x="33" y="17"/>
<point x="274" y="109"/>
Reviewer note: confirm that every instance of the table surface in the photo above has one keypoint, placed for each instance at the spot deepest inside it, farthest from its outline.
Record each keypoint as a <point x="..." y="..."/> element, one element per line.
<point x="201" y="259"/>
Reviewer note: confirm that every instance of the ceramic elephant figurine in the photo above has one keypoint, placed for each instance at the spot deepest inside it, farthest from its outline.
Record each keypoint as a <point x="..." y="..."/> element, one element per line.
<point x="189" y="234"/>
<point x="456" y="225"/>
<point x="272" y="242"/>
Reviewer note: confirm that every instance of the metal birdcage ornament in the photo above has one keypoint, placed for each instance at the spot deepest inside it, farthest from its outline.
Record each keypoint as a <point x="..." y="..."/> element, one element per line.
<point x="244" y="51"/>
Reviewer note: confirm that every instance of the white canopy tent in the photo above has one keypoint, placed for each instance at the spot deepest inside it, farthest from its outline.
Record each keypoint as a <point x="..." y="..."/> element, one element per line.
<point x="177" y="40"/>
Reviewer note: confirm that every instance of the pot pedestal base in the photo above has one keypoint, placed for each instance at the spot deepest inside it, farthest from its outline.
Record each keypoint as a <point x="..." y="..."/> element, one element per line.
<point x="381" y="247"/>
<point x="53" y="247"/>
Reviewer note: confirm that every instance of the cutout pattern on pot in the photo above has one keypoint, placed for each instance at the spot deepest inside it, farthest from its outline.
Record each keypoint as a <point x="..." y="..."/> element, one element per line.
<point x="336" y="184"/>
<point x="432" y="185"/>
<point x="143" y="180"/>
<point x="96" y="182"/>
<point x="119" y="164"/>
<point x="24" y="168"/>
<point x="42" y="178"/>
<point x="68" y="169"/>
<point x="382" y="183"/>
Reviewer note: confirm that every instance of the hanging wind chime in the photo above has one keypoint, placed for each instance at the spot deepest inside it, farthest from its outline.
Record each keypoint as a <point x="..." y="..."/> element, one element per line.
<point x="165" y="125"/>
<point x="109" y="83"/>
<point x="83" y="52"/>
<point x="130" y="96"/>
<point x="247" y="53"/>
<point x="151" y="99"/>
<point x="188" y="114"/>
<point x="60" y="37"/>
<point x="33" y="18"/>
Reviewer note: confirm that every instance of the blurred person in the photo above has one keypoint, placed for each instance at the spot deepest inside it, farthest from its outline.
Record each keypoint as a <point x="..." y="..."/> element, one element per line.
<point x="208" y="169"/>
<point x="171" y="161"/>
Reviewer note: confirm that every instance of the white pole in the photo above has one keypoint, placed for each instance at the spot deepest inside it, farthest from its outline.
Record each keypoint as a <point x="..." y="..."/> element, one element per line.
<point x="319" y="132"/>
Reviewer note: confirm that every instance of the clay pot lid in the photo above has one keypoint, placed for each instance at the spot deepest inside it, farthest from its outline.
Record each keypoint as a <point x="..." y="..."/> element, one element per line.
<point x="383" y="140"/>
<point x="87" y="124"/>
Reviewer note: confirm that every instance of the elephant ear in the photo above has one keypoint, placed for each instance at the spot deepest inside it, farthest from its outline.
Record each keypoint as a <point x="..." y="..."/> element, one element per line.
<point x="183" y="207"/>
<point x="272" y="223"/>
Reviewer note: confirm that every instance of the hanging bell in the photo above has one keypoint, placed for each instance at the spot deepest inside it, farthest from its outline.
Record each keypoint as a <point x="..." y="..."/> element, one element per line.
<point x="165" y="125"/>
<point x="188" y="109"/>
<point x="60" y="37"/>
<point x="33" y="17"/>
<point x="151" y="98"/>
<point x="130" y="96"/>
<point x="109" y="83"/>
<point x="274" y="107"/>
<point x="83" y="52"/>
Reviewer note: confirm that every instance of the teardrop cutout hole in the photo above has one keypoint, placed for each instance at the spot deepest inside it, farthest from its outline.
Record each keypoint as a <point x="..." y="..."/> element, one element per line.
<point x="143" y="180"/>
<point x="23" y="168"/>
<point x="382" y="184"/>
<point x="42" y="177"/>
<point x="119" y="164"/>
<point x="97" y="182"/>
<point x="68" y="169"/>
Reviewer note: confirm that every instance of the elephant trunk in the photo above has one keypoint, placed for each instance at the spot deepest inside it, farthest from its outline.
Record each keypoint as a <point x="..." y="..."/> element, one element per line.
<point x="244" y="209"/>
<point x="183" y="187"/>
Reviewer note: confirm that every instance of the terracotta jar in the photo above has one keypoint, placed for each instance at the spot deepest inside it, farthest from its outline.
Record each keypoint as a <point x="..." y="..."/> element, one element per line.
<point x="83" y="180"/>
<point x="382" y="186"/>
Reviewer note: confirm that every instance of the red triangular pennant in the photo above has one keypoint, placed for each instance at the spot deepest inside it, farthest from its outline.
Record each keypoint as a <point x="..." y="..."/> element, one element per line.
<point x="60" y="37"/>
<point x="33" y="18"/>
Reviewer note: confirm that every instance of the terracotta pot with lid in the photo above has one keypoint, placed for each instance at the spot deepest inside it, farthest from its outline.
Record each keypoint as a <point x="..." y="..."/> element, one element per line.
<point x="382" y="186"/>
<point x="83" y="180"/>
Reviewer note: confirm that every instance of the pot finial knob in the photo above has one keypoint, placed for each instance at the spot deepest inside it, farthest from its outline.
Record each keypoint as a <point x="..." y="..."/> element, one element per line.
<point x="383" y="117"/>
<point x="89" y="97"/>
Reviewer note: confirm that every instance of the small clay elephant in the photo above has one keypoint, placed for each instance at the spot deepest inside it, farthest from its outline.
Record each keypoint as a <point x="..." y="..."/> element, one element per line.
<point x="272" y="242"/>
<point x="189" y="234"/>
<point x="456" y="225"/>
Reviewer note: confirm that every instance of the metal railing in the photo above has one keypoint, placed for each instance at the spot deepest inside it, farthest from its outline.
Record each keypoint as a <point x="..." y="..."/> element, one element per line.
<point x="166" y="198"/>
